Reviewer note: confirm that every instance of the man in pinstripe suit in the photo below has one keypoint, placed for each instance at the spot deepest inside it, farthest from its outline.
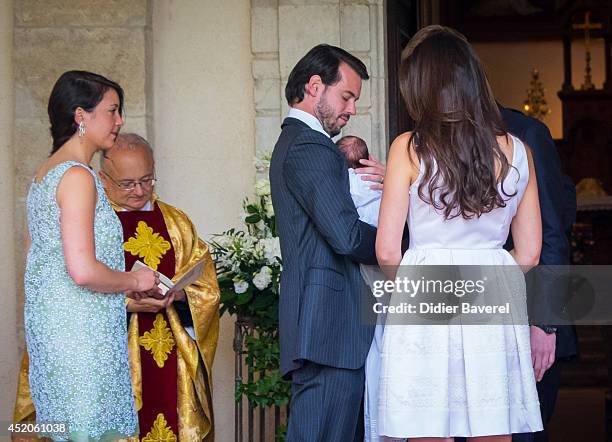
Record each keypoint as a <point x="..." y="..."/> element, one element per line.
<point x="323" y="340"/>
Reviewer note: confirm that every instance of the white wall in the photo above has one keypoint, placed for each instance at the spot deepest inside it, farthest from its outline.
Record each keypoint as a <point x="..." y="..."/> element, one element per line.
<point x="509" y="67"/>
<point x="203" y="134"/>
<point x="9" y="360"/>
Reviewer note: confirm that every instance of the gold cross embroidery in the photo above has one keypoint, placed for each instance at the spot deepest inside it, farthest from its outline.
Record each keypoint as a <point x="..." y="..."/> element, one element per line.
<point x="160" y="432"/>
<point x="148" y="245"/>
<point x="159" y="340"/>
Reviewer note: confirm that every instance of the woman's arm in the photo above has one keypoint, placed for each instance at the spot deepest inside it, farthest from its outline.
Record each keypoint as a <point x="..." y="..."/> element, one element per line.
<point x="526" y="226"/>
<point x="76" y="198"/>
<point x="401" y="173"/>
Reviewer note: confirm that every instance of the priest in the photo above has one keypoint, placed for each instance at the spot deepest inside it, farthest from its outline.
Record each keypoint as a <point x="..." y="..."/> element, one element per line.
<point x="172" y="341"/>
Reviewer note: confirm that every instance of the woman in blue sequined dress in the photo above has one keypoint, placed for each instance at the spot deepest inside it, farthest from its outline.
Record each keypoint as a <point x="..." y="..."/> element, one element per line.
<point x="75" y="286"/>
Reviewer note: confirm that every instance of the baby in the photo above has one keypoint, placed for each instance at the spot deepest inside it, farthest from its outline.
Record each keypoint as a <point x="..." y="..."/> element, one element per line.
<point x="367" y="203"/>
<point x="367" y="200"/>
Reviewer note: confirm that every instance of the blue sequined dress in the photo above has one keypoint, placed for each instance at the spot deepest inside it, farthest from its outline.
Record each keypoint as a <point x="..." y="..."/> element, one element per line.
<point x="76" y="338"/>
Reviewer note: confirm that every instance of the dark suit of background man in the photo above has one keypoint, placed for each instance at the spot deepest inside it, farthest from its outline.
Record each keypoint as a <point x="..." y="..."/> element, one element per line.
<point x="557" y="194"/>
<point x="558" y="206"/>
<point x="322" y="339"/>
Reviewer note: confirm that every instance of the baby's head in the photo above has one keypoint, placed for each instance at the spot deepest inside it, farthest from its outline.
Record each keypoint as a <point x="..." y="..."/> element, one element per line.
<point x="353" y="149"/>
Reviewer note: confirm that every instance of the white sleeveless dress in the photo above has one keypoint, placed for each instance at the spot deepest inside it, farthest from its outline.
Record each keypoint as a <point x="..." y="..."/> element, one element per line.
<point x="459" y="380"/>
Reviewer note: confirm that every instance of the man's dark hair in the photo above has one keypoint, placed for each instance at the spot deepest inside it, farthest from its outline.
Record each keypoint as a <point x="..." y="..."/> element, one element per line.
<point x="322" y="60"/>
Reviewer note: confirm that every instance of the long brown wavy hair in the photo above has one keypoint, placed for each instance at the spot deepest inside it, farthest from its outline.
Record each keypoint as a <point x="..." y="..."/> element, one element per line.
<point x="456" y="122"/>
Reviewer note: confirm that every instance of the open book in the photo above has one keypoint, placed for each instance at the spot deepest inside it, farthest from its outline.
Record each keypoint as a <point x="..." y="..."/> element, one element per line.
<point x="166" y="285"/>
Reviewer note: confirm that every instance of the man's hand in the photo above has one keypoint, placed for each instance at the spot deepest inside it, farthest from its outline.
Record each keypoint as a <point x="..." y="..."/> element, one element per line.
<point x="136" y="295"/>
<point x="150" y="304"/>
<point x="542" y="350"/>
<point x="373" y="171"/>
<point x="180" y="295"/>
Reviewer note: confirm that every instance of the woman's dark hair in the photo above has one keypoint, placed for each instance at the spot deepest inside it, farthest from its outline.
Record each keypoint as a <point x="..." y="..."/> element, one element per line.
<point x="456" y="123"/>
<point x="322" y="60"/>
<point x="72" y="90"/>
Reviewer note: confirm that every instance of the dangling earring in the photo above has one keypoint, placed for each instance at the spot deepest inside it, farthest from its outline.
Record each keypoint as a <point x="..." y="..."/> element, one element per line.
<point x="81" y="129"/>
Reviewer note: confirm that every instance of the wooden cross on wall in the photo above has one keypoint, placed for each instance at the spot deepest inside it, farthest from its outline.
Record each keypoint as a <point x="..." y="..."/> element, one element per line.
<point x="587" y="26"/>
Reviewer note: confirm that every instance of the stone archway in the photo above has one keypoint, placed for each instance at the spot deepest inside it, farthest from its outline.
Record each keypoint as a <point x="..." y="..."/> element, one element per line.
<point x="282" y="31"/>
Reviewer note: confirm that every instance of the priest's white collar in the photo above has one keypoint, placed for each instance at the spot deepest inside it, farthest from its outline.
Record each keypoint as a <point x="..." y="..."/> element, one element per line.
<point x="308" y="119"/>
<point x="146" y="208"/>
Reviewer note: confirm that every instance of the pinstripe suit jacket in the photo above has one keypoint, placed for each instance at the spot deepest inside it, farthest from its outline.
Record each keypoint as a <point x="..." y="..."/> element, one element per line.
<point x="322" y="241"/>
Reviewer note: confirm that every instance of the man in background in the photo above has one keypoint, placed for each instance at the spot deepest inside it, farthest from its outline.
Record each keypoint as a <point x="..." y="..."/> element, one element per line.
<point x="550" y="344"/>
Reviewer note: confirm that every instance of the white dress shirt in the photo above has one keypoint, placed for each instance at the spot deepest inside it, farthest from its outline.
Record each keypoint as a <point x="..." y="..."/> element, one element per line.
<point x="307" y="119"/>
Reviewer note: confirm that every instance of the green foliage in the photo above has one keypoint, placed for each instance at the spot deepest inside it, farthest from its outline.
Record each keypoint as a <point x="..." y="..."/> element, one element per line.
<point x="262" y="359"/>
<point x="248" y="271"/>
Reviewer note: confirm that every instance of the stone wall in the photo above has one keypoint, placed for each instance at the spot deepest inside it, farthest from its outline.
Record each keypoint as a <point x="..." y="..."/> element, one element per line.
<point x="204" y="81"/>
<point x="51" y="37"/>
<point x="8" y="275"/>
<point x="204" y="135"/>
<point x="186" y="70"/>
<point x="282" y="31"/>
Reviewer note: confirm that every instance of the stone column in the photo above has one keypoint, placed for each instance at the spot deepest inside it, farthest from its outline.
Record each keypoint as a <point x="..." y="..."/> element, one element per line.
<point x="9" y="357"/>
<point x="203" y="135"/>
<point x="282" y="31"/>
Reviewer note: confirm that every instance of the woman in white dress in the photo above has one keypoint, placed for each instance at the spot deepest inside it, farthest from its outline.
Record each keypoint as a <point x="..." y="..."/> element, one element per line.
<point x="462" y="183"/>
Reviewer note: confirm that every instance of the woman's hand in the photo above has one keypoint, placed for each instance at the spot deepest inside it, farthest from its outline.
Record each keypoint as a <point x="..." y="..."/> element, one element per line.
<point x="146" y="280"/>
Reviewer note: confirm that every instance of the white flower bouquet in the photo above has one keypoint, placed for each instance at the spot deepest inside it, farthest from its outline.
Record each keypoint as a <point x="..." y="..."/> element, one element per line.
<point x="248" y="269"/>
<point x="249" y="262"/>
